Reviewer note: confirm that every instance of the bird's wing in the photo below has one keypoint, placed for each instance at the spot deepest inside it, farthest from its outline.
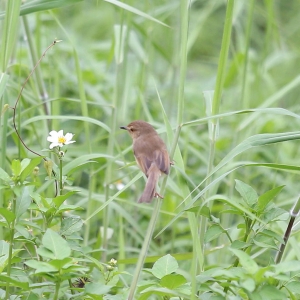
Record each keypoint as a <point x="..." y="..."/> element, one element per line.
<point x="146" y="154"/>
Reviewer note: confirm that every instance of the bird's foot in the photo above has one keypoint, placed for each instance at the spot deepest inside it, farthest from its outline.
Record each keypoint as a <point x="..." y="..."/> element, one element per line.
<point x="157" y="195"/>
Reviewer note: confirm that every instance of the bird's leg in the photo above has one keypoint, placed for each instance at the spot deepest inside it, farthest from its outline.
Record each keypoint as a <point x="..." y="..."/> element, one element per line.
<point x="157" y="195"/>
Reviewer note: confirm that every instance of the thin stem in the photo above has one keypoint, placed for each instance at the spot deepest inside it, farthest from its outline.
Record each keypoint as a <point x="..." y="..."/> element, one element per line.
<point x="57" y="287"/>
<point x="11" y="242"/>
<point x="294" y="213"/>
<point x="223" y="59"/>
<point x="217" y="99"/>
<point x="60" y="176"/>
<point x="145" y="248"/>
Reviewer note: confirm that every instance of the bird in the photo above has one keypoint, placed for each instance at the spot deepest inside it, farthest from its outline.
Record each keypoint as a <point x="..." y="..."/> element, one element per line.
<point x="151" y="155"/>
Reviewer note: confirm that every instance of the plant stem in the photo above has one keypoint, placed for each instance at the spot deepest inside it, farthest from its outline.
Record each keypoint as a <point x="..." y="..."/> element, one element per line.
<point x="216" y="101"/>
<point x="11" y="242"/>
<point x="60" y="176"/>
<point x="294" y="213"/>
<point x="57" y="287"/>
<point x="145" y="247"/>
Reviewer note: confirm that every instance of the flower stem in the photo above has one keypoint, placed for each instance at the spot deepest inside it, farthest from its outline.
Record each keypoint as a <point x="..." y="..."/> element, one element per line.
<point x="60" y="176"/>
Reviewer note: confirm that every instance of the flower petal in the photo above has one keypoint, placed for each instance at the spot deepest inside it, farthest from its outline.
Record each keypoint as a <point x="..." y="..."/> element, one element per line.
<point x="69" y="136"/>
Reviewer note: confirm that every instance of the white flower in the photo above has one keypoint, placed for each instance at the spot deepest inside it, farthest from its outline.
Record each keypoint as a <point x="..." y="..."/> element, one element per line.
<point x="58" y="139"/>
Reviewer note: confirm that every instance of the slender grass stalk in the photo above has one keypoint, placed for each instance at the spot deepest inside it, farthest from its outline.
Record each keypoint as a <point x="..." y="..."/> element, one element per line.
<point x="184" y="8"/>
<point x="10" y="30"/>
<point x="217" y="99"/>
<point x="38" y="71"/>
<point x="184" y="26"/>
<point x="9" y="34"/>
<point x="247" y="44"/>
<point x="145" y="247"/>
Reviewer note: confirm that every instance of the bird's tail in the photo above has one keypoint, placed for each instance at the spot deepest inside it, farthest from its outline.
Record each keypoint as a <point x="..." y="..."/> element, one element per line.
<point x="149" y="191"/>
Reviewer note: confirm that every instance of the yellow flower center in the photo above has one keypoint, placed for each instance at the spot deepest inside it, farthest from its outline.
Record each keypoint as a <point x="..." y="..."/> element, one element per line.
<point x="62" y="139"/>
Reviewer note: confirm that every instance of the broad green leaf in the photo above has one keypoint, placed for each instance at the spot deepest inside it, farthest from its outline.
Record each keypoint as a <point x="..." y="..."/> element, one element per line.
<point x="268" y="196"/>
<point x="287" y="266"/>
<point x="248" y="284"/>
<point x="8" y="215"/>
<point x="264" y="241"/>
<point x="4" y="176"/>
<point x="16" y="167"/>
<point x="247" y="192"/>
<point x="172" y="281"/>
<point x="4" y="252"/>
<point x="272" y="234"/>
<point x="96" y="289"/>
<point x="213" y="232"/>
<point x="239" y="244"/>
<point x="45" y="253"/>
<point x="14" y="282"/>
<point x="56" y="244"/>
<point x="164" y="266"/>
<point x="71" y="225"/>
<point x="271" y="292"/>
<point x="23" y="201"/>
<point x="294" y="286"/>
<point x="275" y="214"/>
<point x="41" y="266"/>
<point x="59" y="200"/>
<point x="28" y="166"/>
<point x="245" y="260"/>
<point x="60" y="263"/>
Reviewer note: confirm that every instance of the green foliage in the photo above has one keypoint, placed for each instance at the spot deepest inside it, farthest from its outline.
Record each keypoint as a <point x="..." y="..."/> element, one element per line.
<point x="218" y="80"/>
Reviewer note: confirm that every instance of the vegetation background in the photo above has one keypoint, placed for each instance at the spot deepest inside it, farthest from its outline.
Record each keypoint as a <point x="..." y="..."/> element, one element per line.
<point x="158" y="61"/>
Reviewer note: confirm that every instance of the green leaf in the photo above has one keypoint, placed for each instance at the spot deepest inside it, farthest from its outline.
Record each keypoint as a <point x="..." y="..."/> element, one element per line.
<point x="41" y="266"/>
<point x="4" y="176"/>
<point x="245" y="260"/>
<point x="172" y="281"/>
<point x="40" y="5"/>
<point x="265" y="198"/>
<point x="56" y="244"/>
<point x="273" y="215"/>
<point x="27" y="166"/>
<point x="4" y="251"/>
<point x="239" y="244"/>
<point x="164" y="266"/>
<point x="8" y="215"/>
<point x="96" y="289"/>
<point x="15" y="282"/>
<point x="247" y="192"/>
<point x="45" y="253"/>
<point x="271" y="292"/>
<point x="287" y="266"/>
<point x="264" y="241"/>
<point x="212" y="233"/>
<point x="59" y="200"/>
<point x="60" y="263"/>
<point x="70" y="225"/>
<point x="16" y="167"/>
<point x="23" y="201"/>
<point x="294" y="287"/>
<point x="135" y="11"/>
<point x="272" y="234"/>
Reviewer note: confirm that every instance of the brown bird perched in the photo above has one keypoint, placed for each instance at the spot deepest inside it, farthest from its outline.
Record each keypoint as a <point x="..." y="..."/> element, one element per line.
<point x="150" y="154"/>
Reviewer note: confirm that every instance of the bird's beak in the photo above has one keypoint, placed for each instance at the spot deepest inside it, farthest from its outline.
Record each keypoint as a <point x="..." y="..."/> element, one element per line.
<point x="124" y="127"/>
